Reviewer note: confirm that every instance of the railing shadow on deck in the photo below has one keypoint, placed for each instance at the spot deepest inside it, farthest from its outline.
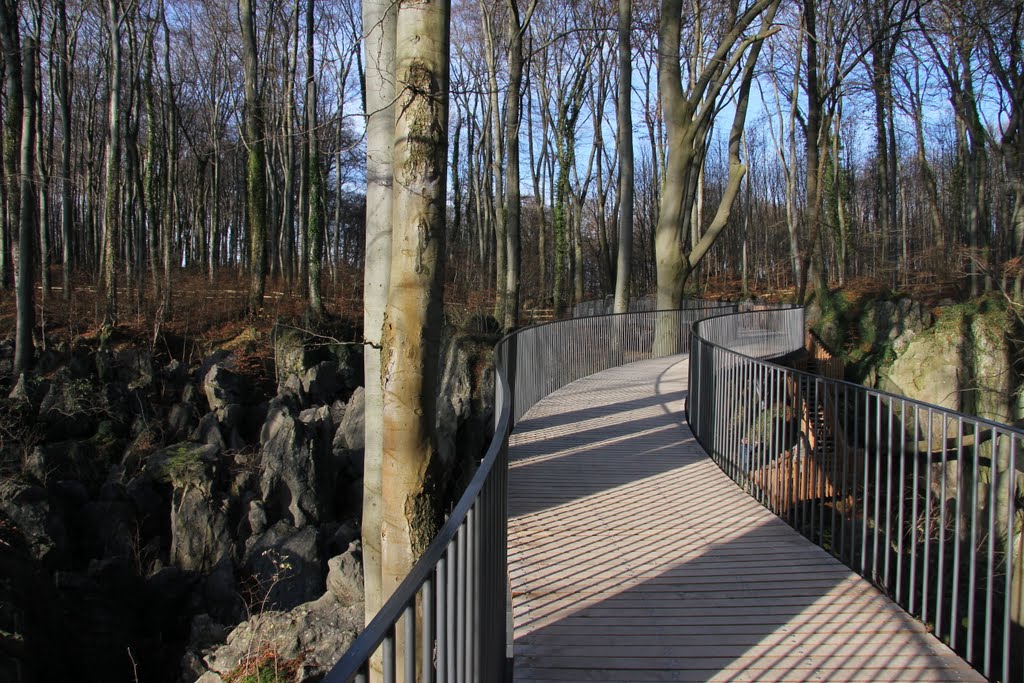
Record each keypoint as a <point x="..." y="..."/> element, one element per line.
<point x="448" y="619"/>
<point x="923" y="501"/>
<point x="450" y="612"/>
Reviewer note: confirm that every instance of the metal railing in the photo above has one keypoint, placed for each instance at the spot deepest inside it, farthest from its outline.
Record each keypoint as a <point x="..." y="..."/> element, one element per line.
<point x="606" y="306"/>
<point x="923" y="501"/>
<point x="447" y="621"/>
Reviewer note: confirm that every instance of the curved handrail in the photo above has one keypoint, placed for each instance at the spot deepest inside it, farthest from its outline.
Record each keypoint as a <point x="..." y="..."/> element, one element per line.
<point x="459" y="584"/>
<point x="921" y="500"/>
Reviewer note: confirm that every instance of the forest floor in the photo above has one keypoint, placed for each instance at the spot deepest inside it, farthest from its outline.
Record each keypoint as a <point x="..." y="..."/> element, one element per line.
<point x="206" y="315"/>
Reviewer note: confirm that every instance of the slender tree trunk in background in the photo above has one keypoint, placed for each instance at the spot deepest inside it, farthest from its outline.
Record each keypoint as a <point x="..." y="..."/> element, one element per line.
<point x="314" y="180"/>
<point x="256" y="166"/>
<point x="42" y="173"/>
<point x="172" y="261"/>
<point x="213" y="251"/>
<point x="840" y="199"/>
<point x="23" y="348"/>
<point x="538" y="195"/>
<point x="747" y="194"/>
<point x="497" y="168"/>
<point x="565" y="140"/>
<point x="151" y="172"/>
<point x="560" y="230"/>
<point x="64" y="99"/>
<point x="379" y="19"/>
<point x="111" y="202"/>
<point x="90" y="242"/>
<point x="11" y="41"/>
<point x="812" y="266"/>
<point x="283" y="251"/>
<point x="456" y="181"/>
<point x="577" y="246"/>
<point x="412" y="326"/>
<point x="513" y="202"/>
<point x="624" y="259"/>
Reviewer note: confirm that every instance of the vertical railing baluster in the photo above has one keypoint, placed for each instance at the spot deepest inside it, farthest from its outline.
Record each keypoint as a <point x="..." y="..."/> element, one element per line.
<point x="1011" y="555"/>
<point x="954" y="616"/>
<point x="460" y="608"/>
<point x="986" y="669"/>
<point x="389" y="656"/>
<point x="409" y="643"/>
<point x="941" y="583"/>
<point x="427" y="632"/>
<point x="900" y="503"/>
<point x="926" y="559"/>
<point x="451" y="613"/>
<point x="972" y="580"/>
<point x="912" y="593"/>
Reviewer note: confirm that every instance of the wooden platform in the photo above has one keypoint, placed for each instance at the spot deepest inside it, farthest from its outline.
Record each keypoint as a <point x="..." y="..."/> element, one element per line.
<point x="634" y="558"/>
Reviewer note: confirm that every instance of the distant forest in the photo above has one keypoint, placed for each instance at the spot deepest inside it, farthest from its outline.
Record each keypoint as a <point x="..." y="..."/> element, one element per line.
<point x="882" y="140"/>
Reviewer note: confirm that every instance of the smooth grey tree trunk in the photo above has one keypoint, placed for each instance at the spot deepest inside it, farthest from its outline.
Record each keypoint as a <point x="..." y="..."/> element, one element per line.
<point x="624" y="258"/>
<point x="379" y="57"/>
<point x="413" y="320"/>
<point x="23" y="348"/>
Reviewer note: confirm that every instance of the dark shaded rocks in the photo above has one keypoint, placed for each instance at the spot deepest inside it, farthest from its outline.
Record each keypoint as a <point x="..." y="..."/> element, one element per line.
<point x="351" y="431"/>
<point x="338" y="365"/>
<point x="222" y="387"/>
<point x="297" y="474"/>
<point x="30" y="620"/>
<point x="345" y="576"/>
<point x="134" y="367"/>
<point x="465" y="407"/>
<point x="285" y="565"/>
<point x="199" y="519"/>
<point x="200" y="534"/>
<point x="50" y="462"/>
<point x="316" y="632"/>
<point x="38" y="520"/>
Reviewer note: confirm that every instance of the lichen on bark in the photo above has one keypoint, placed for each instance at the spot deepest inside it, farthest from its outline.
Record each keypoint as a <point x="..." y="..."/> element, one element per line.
<point x="425" y="136"/>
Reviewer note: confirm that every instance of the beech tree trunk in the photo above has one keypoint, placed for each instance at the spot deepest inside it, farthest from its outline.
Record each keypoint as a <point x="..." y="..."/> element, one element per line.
<point x="379" y="18"/>
<point x="412" y="326"/>
<point x="64" y="100"/>
<point x="513" y="116"/>
<point x="11" y="41"/>
<point x="256" y="189"/>
<point x="111" y="208"/>
<point x="624" y="260"/>
<point x="314" y="181"/>
<point x="23" y="348"/>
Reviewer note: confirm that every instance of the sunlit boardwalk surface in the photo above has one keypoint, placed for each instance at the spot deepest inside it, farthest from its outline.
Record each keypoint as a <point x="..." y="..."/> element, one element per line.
<point x="634" y="558"/>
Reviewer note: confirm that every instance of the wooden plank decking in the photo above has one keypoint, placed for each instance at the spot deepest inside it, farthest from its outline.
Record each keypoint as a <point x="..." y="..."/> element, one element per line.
<point x="634" y="558"/>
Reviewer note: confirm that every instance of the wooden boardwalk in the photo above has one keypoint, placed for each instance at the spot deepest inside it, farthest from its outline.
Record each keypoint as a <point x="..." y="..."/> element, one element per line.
<point x="634" y="558"/>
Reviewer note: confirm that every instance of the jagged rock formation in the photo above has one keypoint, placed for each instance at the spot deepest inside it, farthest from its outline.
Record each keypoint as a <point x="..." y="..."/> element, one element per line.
<point x="170" y="517"/>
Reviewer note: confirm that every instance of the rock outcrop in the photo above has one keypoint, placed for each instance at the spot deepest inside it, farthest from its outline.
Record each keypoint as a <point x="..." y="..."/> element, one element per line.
<point x="160" y="504"/>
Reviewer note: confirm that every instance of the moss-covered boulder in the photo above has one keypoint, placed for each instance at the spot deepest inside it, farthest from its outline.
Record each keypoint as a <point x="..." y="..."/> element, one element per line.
<point x="963" y="361"/>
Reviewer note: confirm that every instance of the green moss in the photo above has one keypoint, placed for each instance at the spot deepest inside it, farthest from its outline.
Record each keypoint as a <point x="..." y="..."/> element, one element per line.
<point x="184" y="464"/>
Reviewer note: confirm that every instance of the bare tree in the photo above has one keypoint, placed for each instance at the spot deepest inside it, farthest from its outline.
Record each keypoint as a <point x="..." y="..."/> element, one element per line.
<point x="689" y="116"/>
<point x="316" y="223"/>
<point x="255" y="169"/>
<point x="11" y="41"/>
<point x="624" y="258"/>
<point x="23" y="347"/>
<point x="111" y="210"/>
